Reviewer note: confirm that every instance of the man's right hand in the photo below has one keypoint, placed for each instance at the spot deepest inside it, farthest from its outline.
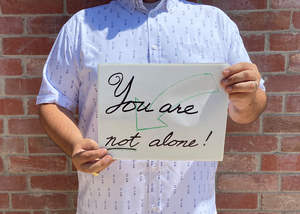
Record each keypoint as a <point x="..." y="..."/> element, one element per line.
<point x="60" y="125"/>
<point x="88" y="158"/>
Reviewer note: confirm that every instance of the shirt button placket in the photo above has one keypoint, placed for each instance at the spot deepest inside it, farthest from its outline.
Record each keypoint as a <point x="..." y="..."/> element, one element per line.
<point x="154" y="187"/>
<point x="153" y="36"/>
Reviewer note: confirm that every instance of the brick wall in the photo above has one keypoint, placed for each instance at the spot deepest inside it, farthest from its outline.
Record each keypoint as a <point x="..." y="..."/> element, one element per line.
<point x="260" y="169"/>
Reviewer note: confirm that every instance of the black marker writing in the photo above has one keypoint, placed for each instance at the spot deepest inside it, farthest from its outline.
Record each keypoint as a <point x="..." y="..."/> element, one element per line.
<point x="208" y="137"/>
<point x="124" y="103"/>
<point x="121" y="148"/>
<point x="169" y="109"/>
<point x="112" y="141"/>
<point x="168" y="142"/>
<point x="127" y="106"/>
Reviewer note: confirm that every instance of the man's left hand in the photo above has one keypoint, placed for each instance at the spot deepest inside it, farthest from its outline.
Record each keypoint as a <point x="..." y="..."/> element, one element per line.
<point x="247" y="100"/>
<point x="241" y="82"/>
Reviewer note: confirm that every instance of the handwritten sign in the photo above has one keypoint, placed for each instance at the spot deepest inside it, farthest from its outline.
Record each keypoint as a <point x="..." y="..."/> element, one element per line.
<point x="162" y="111"/>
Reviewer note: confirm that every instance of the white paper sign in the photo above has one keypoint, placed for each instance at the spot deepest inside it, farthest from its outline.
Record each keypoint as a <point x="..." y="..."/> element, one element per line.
<point x="162" y="111"/>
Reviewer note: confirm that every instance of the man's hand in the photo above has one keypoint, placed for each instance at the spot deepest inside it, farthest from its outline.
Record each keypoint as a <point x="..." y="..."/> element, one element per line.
<point x="241" y="81"/>
<point x="61" y="126"/>
<point x="87" y="157"/>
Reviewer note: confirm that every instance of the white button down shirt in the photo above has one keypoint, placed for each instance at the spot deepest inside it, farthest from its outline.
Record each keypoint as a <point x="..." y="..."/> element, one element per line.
<point x="124" y="31"/>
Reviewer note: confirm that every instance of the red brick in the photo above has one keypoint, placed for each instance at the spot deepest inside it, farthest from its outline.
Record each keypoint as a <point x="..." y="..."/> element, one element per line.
<point x="292" y="103"/>
<point x="45" y="24"/>
<point x="282" y="83"/>
<point x="1" y="165"/>
<point x="294" y="65"/>
<point x="236" y="200"/>
<point x="31" y="7"/>
<point x="281" y="124"/>
<point x="13" y="183"/>
<point x="280" y="163"/>
<point x="75" y="200"/>
<point x="11" y="106"/>
<point x="291" y="144"/>
<point x="285" y="42"/>
<point x="249" y="212"/>
<point x="42" y="145"/>
<point x="33" y="109"/>
<point x="40" y="201"/>
<point x="4" y="201"/>
<point x="233" y="127"/>
<point x="10" y="67"/>
<point x="269" y="63"/>
<point x="254" y="42"/>
<point x="1" y="126"/>
<point x="290" y="183"/>
<point x="237" y="4"/>
<point x="75" y="6"/>
<point x="280" y="4"/>
<point x="11" y="145"/>
<point x="22" y="86"/>
<point x="296" y="20"/>
<point x="255" y="182"/>
<point x="25" y="126"/>
<point x="11" y="25"/>
<point x="35" y="66"/>
<point x="27" y="45"/>
<point x="262" y="21"/>
<point x="238" y="163"/>
<point x="280" y="201"/>
<point x="54" y="182"/>
<point x="37" y="164"/>
<point x="250" y="144"/>
<point x="274" y="104"/>
<point x="56" y="212"/>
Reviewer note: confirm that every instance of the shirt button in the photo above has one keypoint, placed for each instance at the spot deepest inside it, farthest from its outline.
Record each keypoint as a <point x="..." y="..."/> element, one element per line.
<point x="154" y="47"/>
<point x="153" y="168"/>
<point x="152" y="15"/>
<point x="154" y="209"/>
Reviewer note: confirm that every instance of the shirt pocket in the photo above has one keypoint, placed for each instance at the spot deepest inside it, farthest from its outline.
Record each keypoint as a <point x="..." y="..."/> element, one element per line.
<point x="198" y="53"/>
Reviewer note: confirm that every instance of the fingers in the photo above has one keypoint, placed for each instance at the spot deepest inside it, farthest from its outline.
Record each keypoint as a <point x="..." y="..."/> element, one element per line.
<point x="240" y="78"/>
<point x="90" y="155"/>
<point x="255" y="86"/>
<point x="92" y="161"/>
<point x="242" y="87"/>
<point x="98" y="165"/>
<point x="87" y="157"/>
<point x="243" y="66"/>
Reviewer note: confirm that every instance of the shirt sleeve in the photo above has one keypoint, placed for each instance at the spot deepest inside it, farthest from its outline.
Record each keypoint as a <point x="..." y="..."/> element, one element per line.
<point x="237" y="51"/>
<point x="60" y="82"/>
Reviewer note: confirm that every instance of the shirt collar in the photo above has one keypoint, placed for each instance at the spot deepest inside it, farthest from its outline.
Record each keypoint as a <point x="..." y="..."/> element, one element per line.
<point x="132" y="5"/>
